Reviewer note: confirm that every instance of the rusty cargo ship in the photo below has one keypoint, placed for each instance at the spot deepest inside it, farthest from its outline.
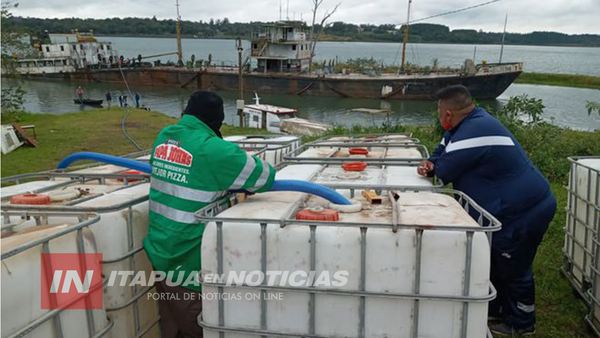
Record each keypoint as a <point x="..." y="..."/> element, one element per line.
<point x="279" y="62"/>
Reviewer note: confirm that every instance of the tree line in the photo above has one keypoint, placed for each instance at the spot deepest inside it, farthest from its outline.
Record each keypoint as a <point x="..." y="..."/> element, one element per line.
<point x="224" y="28"/>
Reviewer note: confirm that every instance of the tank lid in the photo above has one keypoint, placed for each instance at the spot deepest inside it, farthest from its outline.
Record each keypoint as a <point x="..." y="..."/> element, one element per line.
<point x="318" y="214"/>
<point x="31" y="199"/>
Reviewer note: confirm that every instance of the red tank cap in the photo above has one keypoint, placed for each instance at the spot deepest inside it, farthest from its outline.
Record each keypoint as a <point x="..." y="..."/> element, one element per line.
<point x="354" y="166"/>
<point x="359" y="151"/>
<point x="130" y="172"/>
<point x="318" y="214"/>
<point x="31" y="199"/>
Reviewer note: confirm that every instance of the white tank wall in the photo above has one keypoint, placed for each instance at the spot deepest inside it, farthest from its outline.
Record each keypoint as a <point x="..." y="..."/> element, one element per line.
<point x="21" y="285"/>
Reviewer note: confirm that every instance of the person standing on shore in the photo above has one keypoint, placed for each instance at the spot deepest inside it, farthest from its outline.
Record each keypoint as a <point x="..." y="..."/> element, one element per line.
<point x="80" y="93"/>
<point x="108" y="99"/>
<point x="137" y="99"/>
<point x="121" y="100"/>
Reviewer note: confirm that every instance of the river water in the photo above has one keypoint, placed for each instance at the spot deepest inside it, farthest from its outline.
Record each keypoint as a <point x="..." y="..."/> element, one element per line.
<point x="564" y="106"/>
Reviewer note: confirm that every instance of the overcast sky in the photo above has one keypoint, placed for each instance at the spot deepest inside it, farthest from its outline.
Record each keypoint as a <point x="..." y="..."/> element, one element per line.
<point x="568" y="16"/>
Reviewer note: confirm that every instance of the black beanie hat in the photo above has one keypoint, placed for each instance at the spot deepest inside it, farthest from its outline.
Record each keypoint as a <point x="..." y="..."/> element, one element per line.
<point x="208" y="108"/>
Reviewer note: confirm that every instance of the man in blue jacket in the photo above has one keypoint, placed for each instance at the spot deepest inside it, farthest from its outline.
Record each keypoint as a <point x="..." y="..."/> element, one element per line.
<point x="480" y="157"/>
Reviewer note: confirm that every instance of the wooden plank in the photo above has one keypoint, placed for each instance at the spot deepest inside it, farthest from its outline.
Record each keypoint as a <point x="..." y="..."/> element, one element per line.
<point x="371" y="196"/>
<point x="24" y="135"/>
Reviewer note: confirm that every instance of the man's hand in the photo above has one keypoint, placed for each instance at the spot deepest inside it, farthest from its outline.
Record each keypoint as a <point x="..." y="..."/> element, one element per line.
<point x="425" y="168"/>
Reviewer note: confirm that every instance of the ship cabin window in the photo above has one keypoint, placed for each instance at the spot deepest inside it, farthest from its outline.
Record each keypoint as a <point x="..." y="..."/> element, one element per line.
<point x="102" y="47"/>
<point x="47" y="49"/>
<point x="301" y="47"/>
<point x="74" y="47"/>
<point x="81" y="47"/>
<point x="62" y="48"/>
<point x="107" y="47"/>
<point x="255" y="46"/>
<point x="293" y="47"/>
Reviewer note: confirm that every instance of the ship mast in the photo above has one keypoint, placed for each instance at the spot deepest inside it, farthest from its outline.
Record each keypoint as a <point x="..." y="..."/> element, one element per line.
<point x="503" y="35"/>
<point x="405" y="40"/>
<point x="179" y="51"/>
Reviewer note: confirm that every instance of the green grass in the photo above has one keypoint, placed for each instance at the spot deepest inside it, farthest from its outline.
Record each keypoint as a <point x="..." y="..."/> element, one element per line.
<point x="94" y="130"/>
<point x="560" y="312"/>
<point x="565" y="80"/>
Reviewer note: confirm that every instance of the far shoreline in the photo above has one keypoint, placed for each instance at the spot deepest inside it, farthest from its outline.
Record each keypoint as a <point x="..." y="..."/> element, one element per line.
<point x="191" y="37"/>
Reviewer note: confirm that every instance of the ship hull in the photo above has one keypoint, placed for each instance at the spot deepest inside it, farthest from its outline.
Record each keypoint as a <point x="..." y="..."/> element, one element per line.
<point x="482" y="86"/>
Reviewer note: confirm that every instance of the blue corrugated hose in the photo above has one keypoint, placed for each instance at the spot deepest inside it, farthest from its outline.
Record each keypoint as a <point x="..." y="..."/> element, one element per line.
<point x="279" y="185"/>
<point x="109" y="159"/>
<point x="310" y="188"/>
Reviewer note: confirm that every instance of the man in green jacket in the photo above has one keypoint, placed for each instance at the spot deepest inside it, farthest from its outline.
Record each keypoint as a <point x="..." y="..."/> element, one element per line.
<point x="192" y="166"/>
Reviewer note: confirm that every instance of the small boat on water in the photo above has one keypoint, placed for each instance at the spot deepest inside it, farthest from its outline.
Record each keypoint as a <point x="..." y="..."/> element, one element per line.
<point x="88" y="102"/>
<point x="279" y="120"/>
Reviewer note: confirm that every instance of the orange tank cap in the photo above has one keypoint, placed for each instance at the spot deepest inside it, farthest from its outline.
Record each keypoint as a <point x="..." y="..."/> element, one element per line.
<point x="318" y="215"/>
<point x="31" y="199"/>
<point x="354" y="166"/>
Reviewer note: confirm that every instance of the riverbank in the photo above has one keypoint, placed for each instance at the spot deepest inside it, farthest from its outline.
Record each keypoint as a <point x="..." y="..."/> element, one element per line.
<point x="96" y="130"/>
<point x="560" y="312"/>
<point x="564" y="80"/>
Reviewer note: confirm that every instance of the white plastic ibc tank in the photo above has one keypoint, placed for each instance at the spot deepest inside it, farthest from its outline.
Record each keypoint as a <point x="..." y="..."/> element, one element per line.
<point x="582" y="220"/>
<point x="277" y="146"/>
<point x="390" y="265"/>
<point x="22" y="280"/>
<point x="409" y="152"/>
<point x="119" y="207"/>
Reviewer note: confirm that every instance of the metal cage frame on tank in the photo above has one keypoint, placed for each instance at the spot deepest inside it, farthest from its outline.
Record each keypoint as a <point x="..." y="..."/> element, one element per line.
<point x="593" y="317"/>
<point x="71" y="207"/>
<point x="435" y="182"/>
<point x="82" y="220"/>
<point x="487" y="225"/>
<point x="295" y="156"/>
<point x="581" y="230"/>
<point x="260" y="151"/>
<point x="281" y="148"/>
<point x="368" y="138"/>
